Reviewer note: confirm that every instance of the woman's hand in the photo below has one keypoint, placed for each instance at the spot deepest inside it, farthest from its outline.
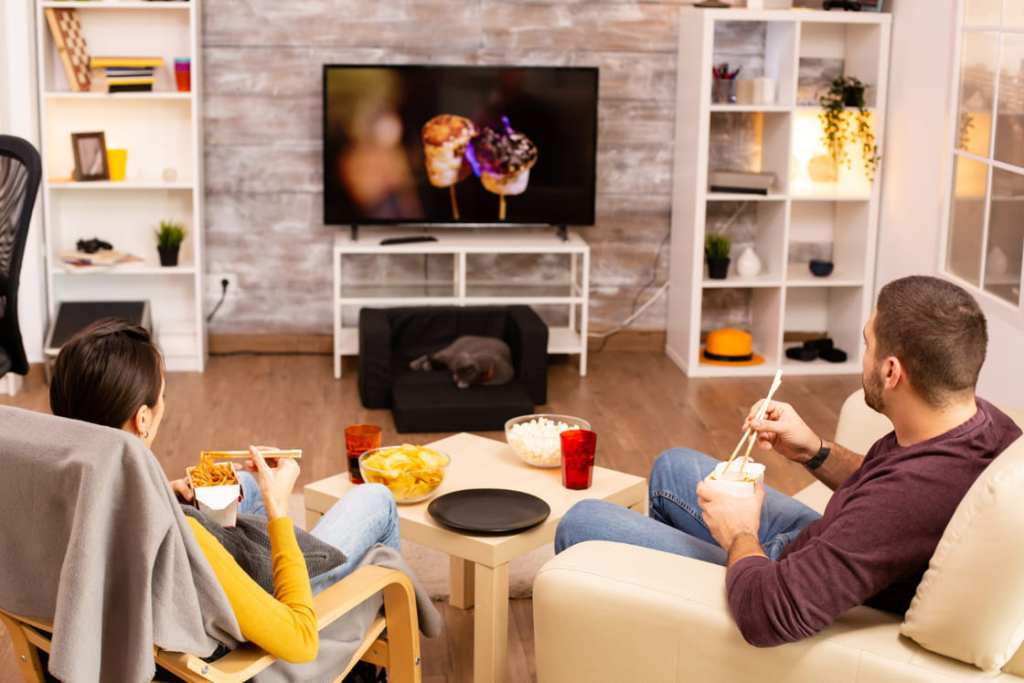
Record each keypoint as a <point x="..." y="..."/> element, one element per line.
<point x="276" y="481"/>
<point x="182" y="490"/>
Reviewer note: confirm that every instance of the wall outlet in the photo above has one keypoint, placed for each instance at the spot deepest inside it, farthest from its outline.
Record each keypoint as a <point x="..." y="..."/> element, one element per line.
<point x="213" y="286"/>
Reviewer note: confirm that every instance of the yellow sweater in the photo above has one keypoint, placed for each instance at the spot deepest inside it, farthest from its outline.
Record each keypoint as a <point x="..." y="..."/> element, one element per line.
<point x="283" y="624"/>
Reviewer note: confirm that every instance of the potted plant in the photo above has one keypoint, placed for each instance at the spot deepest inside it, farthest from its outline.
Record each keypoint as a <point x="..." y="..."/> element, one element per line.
<point x="716" y="251"/>
<point x="168" y="242"/>
<point x="840" y="129"/>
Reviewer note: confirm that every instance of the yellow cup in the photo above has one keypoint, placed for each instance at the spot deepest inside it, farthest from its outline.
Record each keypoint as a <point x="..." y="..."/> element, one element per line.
<point x="117" y="161"/>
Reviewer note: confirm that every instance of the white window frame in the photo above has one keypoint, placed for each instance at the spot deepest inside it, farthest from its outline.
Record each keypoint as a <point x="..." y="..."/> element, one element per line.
<point x="990" y="303"/>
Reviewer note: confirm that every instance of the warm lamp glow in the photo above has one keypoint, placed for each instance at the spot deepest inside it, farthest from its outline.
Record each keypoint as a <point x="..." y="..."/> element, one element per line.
<point x="807" y="144"/>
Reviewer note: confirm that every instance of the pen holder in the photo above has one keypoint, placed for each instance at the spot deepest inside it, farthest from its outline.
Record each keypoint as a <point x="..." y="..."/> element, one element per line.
<point x="723" y="91"/>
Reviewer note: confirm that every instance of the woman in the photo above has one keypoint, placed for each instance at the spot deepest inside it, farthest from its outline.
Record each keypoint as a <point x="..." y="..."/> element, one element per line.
<point x="112" y="374"/>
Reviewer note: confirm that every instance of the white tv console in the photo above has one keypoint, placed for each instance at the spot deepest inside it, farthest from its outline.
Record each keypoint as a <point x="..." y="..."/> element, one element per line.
<point x="573" y="291"/>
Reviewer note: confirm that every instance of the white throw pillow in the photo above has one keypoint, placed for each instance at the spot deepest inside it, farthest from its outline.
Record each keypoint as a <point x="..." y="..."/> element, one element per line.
<point x="970" y="604"/>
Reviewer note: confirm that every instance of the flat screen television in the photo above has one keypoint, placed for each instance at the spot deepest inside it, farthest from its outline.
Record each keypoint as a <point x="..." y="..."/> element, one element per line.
<point x="459" y="145"/>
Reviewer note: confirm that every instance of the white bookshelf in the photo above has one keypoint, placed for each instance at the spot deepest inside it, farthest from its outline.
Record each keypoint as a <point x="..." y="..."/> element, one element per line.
<point x="160" y="130"/>
<point x="571" y="292"/>
<point x="785" y="301"/>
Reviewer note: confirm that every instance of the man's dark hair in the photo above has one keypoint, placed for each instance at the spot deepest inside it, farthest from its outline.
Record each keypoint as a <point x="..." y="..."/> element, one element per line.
<point x="936" y="330"/>
<point x="105" y="373"/>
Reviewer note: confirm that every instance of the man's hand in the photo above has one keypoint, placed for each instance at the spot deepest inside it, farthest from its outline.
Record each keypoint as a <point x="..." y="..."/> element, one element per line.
<point x="729" y="517"/>
<point x="276" y="482"/>
<point x="785" y="431"/>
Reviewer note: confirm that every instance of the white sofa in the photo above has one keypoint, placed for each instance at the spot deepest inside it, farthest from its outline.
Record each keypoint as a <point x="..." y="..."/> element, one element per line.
<point x="614" y="612"/>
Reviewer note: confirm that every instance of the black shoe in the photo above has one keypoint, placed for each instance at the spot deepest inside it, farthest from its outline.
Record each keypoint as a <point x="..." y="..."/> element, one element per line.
<point x="802" y="353"/>
<point x="834" y="356"/>
<point x="819" y="345"/>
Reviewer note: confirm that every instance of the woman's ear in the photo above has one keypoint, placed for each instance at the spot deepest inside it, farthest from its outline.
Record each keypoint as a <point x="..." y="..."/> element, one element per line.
<point x="141" y="422"/>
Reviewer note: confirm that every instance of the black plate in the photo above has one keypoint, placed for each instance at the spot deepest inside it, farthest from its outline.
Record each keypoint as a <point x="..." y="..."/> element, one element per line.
<point x="488" y="511"/>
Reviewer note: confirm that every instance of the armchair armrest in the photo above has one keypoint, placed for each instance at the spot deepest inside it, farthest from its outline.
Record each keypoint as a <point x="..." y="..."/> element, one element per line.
<point x="375" y="373"/>
<point x="402" y="652"/>
<point x="528" y="340"/>
<point x="607" y="612"/>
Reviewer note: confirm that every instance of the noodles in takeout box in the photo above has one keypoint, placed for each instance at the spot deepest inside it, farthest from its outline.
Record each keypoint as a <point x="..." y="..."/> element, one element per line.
<point x="216" y="489"/>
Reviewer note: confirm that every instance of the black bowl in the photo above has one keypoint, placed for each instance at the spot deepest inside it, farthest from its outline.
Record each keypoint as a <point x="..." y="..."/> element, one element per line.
<point x="821" y="268"/>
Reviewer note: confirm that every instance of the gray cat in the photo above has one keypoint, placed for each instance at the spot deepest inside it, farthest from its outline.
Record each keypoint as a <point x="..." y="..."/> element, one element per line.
<point x="472" y="360"/>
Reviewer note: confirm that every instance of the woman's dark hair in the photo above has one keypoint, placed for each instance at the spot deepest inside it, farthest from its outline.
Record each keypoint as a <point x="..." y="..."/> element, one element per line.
<point x="105" y="373"/>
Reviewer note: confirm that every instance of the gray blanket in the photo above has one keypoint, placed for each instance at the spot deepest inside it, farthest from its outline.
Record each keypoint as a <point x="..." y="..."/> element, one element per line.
<point x="94" y="541"/>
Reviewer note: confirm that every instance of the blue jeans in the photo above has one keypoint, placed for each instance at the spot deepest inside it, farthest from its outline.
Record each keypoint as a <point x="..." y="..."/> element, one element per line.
<point x="362" y="518"/>
<point x="675" y="524"/>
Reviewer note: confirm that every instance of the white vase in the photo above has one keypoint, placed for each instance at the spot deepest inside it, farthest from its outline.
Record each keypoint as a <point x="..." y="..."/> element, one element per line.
<point x="748" y="264"/>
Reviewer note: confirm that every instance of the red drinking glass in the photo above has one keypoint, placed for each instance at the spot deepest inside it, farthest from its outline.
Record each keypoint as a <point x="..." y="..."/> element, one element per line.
<point x="359" y="439"/>
<point x="578" y="448"/>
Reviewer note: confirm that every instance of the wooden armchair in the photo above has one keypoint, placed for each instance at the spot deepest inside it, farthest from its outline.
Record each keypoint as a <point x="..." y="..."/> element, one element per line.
<point x="398" y="651"/>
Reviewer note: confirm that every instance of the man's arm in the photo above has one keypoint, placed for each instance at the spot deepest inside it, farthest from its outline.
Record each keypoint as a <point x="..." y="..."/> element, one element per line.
<point x="838" y="466"/>
<point x="744" y="546"/>
<point x="784" y="430"/>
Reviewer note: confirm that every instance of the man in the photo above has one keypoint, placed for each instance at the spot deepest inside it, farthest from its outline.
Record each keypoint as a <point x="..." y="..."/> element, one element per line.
<point x="791" y="572"/>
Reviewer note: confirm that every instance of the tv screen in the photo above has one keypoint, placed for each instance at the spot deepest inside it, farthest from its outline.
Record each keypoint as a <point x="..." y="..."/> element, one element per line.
<point x="459" y="145"/>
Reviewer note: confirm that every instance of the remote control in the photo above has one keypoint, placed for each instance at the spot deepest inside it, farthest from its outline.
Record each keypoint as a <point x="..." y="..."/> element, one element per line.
<point x="407" y="240"/>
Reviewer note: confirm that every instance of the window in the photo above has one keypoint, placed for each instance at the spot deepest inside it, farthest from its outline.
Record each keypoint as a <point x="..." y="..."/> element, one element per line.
<point x="984" y="245"/>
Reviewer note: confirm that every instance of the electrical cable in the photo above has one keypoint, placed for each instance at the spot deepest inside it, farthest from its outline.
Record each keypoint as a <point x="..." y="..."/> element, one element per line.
<point x="223" y="295"/>
<point x="634" y="313"/>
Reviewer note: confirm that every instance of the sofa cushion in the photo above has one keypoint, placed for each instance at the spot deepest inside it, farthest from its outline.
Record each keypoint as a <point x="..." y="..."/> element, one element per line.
<point x="970" y="603"/>
<point x="430" y="402"/>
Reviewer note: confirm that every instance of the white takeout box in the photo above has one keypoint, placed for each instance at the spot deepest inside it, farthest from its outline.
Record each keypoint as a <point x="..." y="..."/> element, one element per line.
<point x="734" y="483"/>
<point x="219" y="503"/>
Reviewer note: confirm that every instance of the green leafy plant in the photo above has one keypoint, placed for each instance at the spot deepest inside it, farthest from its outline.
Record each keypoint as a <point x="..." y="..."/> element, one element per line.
<point x="170" y="235"/>
<point x="716" y="246"/>
<point x="840" y="129"/>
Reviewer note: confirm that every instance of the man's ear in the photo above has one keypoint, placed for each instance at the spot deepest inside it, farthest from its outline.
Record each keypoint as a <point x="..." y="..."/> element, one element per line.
<point x="893" y="372"/>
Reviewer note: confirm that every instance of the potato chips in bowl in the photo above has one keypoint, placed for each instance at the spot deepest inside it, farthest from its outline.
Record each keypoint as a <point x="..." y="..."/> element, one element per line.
<point x="412" y="473"/>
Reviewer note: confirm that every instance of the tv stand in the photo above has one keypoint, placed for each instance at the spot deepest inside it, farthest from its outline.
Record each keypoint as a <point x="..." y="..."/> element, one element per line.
<point x="562" y="231"/>
<point x="572" y="291"/>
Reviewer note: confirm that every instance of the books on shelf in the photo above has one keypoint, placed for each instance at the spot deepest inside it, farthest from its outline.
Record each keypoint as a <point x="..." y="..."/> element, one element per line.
<point x="78" y="261"/>
<point x="128" y="74"/>
<point x="125" y="62"/>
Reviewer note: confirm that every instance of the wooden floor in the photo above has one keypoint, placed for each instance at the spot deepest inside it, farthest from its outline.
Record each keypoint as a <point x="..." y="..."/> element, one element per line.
<point x="638" y="402"/>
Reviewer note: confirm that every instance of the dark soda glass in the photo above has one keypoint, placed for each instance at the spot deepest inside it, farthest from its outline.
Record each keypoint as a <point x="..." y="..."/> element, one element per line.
<point x="359" y="439"/>
<point x="578" y="449"/>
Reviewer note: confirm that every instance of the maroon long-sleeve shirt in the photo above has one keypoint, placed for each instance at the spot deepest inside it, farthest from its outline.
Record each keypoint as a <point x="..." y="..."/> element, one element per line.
<point x="873" y="544"/>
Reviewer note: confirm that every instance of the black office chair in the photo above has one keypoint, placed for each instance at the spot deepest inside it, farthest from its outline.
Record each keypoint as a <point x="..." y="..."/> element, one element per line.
<point x="20" y="172"/>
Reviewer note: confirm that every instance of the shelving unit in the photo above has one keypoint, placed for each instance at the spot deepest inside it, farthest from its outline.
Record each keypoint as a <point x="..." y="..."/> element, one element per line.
<point x="785" y="302"/>
<point x="571" y="292"/>
<point x="161" y="130"/>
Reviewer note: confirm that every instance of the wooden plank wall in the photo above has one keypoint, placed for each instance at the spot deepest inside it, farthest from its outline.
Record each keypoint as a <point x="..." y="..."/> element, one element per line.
<point x="263" y="134"/>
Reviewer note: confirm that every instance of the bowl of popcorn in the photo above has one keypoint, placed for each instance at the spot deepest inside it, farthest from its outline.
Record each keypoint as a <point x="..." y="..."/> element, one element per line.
<point x="536" y="438"/>
<point x="412" y="473"/>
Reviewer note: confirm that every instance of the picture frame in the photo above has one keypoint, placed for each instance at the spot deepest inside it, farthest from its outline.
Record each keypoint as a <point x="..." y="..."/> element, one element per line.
<point x="90" y="150"/>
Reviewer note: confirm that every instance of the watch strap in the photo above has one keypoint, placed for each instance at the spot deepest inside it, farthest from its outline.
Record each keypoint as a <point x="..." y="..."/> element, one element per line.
<point x="819" y="458"/>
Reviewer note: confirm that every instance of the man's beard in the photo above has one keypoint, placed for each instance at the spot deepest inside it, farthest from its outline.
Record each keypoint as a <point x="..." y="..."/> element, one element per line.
<point x="873" y="388"/>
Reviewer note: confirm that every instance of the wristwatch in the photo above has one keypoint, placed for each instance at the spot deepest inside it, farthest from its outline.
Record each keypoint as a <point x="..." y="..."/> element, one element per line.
<point x="819" y="458"/>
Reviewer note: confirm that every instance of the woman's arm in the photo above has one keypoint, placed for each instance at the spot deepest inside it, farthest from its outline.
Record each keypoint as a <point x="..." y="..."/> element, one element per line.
<point x="283" y="624"/>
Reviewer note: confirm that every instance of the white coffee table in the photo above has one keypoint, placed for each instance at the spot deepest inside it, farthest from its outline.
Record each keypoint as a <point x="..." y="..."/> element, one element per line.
<point x="479" y="564"/>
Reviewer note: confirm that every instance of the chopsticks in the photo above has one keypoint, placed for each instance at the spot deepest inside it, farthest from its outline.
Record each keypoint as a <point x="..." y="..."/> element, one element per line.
<point x="750" y="433"/>
<point x="294" y="453"/>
